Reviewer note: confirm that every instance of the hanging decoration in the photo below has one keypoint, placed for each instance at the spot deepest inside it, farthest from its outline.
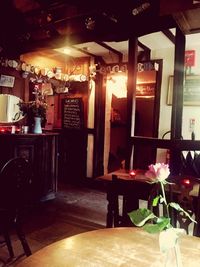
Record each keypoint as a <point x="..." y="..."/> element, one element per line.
<point x="41" y="75"/>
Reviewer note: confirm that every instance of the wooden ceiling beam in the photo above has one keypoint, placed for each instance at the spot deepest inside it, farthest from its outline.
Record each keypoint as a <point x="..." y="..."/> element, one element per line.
<point x="119" y="54"/>
<point x="144" y="47"/>
<point x="169" y="35"/>
<point x="84" y="51"/>
<point x="97" y="58"/>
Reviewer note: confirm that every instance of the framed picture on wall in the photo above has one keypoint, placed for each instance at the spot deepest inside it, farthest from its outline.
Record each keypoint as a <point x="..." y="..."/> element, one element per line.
<point x="191" y="90"/>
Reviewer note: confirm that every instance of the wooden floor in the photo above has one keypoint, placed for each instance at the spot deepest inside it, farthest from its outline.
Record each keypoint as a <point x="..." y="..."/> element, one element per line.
<point x="75" y="210"/>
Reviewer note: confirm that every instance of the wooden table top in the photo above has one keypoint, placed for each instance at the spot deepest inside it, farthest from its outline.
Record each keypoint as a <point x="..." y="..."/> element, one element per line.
<point x="124" y="174"/>
<point x="111" y="247"/>
<point x="140" y="177"/>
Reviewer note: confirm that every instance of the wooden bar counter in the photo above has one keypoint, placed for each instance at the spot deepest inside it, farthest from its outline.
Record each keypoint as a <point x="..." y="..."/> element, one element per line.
<point x="111" y="247"/>
<point x="41" y="150"/>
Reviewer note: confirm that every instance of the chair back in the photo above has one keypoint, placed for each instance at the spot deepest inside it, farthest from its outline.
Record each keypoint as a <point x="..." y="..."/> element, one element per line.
<point x="123" y="197"/>
<point x="15" y="193"/>
<point x="186" y="193"/>
<point x="15" y="183"/>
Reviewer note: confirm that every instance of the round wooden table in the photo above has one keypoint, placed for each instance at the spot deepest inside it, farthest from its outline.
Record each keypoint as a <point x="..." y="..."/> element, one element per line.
<point x="124" y="247"/>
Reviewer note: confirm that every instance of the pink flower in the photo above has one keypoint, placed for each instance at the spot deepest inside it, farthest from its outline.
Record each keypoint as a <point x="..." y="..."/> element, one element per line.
<point x="158" y="172"/>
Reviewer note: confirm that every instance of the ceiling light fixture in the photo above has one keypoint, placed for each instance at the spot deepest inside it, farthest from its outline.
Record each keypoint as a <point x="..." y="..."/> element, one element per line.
<point x="66" y="51"/>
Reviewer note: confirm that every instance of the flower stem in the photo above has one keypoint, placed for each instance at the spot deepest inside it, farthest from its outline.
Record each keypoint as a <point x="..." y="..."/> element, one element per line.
<point x="164" y="197"/>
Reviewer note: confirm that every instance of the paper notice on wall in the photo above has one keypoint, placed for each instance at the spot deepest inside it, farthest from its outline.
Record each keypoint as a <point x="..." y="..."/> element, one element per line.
<point x="7" y="81"/>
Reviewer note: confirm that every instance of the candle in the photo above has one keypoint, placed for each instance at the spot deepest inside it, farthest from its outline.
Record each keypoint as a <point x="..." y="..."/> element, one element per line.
<point x="186" y="181"/>
<point x="132" y="173"/>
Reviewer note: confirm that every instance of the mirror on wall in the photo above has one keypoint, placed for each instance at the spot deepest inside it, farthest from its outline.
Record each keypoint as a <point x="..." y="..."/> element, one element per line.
<point x="9" y="111"/>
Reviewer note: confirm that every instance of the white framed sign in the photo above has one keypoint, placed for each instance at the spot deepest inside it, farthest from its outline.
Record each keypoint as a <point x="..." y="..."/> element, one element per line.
<point x="7" y="81"/>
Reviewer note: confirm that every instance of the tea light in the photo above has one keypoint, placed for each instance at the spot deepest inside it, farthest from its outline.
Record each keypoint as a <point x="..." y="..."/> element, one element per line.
<point x="132" y="173"/>
<point x="186" y="181"/>
<point x="13" y="129"/>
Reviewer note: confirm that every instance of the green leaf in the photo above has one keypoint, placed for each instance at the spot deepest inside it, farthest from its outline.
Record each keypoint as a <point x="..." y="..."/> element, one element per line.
<point x="151" y="228"/>
<point x="140" y="216"/>
<point x="177" y="207"/>
<point x="155" y="201"/>
<point x="162" y="223"/>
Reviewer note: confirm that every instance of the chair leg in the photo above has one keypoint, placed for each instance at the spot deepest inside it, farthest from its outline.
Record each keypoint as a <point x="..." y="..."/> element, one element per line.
<point x="109" y="217"/>
<point x="22" y="238"/>
<point x="8" y="243"/>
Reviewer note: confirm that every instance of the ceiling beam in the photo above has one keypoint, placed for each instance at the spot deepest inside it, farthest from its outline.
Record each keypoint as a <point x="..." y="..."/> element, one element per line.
<point x="169" y="35"/>
<point x="84" y="51"/>
<point x="119" y="54"/>
<point x="88" y="53"/>
<point x="144" y="47"/>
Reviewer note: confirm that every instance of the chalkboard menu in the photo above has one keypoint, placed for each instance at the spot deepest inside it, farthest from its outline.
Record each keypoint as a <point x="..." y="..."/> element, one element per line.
<point x="72" y="109"/>
<point x="144" y="90"/>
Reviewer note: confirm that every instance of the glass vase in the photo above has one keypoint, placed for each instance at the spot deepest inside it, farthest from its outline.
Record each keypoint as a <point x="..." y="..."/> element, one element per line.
<point x="37" y="129"/>
<point x="169" y="246"/>
<point x="172" y="257"/>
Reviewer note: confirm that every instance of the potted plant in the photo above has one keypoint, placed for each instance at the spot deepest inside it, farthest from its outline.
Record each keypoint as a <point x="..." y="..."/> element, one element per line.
<point x="145" y="218"/>
<point x="34" y="109"/>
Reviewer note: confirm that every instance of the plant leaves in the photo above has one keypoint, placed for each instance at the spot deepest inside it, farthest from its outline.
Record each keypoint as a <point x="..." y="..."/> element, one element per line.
<point x="162" y="223"/>
<point x="177" y="207"/>
<point x="155" y="201"/>
<point x="151" y="228"/>
<point x="140" y="216"/>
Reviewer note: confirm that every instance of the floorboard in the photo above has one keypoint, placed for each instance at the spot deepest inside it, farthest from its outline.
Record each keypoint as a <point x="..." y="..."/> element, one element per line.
<point x="76" y="209"/>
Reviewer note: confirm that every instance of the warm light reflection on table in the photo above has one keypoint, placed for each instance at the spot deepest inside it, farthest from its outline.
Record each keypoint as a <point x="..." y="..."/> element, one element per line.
<point x="124" y="247"/>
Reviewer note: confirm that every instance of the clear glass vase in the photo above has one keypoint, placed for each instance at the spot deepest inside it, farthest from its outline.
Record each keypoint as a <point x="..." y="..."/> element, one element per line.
<point x="172" y="257"/>
<point x="169" y="246"/>
<point x="37" y="129"/>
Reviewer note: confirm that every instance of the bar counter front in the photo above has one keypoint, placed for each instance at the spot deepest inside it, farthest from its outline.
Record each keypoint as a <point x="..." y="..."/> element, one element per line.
<point x="41" y="150"/>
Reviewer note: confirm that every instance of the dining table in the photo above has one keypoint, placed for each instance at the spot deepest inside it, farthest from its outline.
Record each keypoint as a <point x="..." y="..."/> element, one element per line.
<point x="134" y="186"/>
<point x="112" y="247"/>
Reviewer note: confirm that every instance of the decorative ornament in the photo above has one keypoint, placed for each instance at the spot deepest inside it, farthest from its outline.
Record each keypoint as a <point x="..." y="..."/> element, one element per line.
<point x="90" y="23"/>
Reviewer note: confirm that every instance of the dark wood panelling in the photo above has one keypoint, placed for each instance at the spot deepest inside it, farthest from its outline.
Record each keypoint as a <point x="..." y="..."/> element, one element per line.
<point x="41" y="151"/>
<point x="73" y="155"/>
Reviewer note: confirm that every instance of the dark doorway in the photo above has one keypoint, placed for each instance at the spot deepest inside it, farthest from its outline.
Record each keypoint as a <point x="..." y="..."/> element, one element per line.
<point x="145" y="103"/>
<point x="118" y="133"/>
<point x="146" y="120"/>
<point x="144" y="117"/>
<point x="147" y="114"/>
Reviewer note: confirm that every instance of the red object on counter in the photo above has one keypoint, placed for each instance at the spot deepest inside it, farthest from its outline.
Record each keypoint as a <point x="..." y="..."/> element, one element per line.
<point x="132" y="173"/>
<point x="186" y="182"/>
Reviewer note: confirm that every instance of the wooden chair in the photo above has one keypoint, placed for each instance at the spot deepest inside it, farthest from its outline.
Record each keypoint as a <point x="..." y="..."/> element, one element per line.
<point x="187" y="194"/>
<point x="129" y="192"/>
<point x="15" y="184"/>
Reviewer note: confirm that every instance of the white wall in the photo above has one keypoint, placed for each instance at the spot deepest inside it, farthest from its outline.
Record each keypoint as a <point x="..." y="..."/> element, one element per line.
<point x="189" y="112"/>
<point x="167" y="55"/>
